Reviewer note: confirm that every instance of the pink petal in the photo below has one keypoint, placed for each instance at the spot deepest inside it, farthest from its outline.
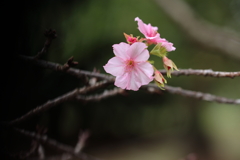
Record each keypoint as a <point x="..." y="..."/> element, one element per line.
<point x="138" y="52"/>
<point x="145" y="72"/>
<point x="134" y="82"/>
<point x="129" y="81"/>
<point x="121" y="81"/>
<point x="160" y="40"/>
<point x="115" y="66"/>
<point x="120" y="50"/>
<point x="141" y="26"/>
<point x="169" y="46"/>
<point x="149" y="31"/>
<point x="153" y="36"/>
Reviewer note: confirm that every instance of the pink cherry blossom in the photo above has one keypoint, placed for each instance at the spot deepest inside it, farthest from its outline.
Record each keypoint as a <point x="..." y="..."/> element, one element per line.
<point x="150" y="32"/>
<point x="152" y="35"/>
<point x="130" y="65"/>
<point x="147" y="30"/>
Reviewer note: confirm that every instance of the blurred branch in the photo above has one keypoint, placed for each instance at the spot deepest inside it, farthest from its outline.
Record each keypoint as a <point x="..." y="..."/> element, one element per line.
<point x="51" y="103"/>
<point x="83" y="136"/>
<point x="54" y="144"/>
<point x="98" y="97"/>
<point x="197" y="95"/>
<point x="50" y="35"/>
<point x="202" y="32"/>
<point x="202" y="72"/>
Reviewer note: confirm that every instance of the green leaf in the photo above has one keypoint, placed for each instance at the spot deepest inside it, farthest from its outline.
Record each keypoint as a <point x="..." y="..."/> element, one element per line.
<point x="159" y="51"/>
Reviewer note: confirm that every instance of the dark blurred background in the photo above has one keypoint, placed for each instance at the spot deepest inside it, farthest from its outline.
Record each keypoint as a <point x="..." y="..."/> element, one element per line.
<point x="138" y="125"/>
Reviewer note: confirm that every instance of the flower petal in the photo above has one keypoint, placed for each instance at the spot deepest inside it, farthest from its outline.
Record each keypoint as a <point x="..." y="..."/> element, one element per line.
<point x="138" y="52"/>
<point x="134" y="82"/>
<point x="145" y="72"/>
<point x="115" y="66"/>
<point x="149" y="31"/>
<point x="141" y="26"/>
<point x="169" y="46"/>
<point x="122" y="81"/>
<point x="120" y="50"/>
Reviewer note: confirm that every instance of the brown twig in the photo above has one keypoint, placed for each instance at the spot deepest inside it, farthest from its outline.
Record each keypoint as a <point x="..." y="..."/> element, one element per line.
<point x="51" y="103"/>
<point x="197" y="95"/>
<point x="50" y="35"/>
<point x="173" y="90"/>
<point x="98" y="97"/>
<point x="202" y="32"/>
<point x="72" y="71"/>
<point x="69" y="63"/>
<point x="202" y="72"/>
<point x="54" y="144"/>
<point x="79" y="73"/>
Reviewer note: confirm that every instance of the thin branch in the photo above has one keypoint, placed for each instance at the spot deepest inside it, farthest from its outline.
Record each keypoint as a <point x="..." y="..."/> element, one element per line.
<point x="51" y="103"/>
<point x="98" y="97"/>
<point x="72" y="71"/>
<point x="202" y="72"/>
<point x="202" y="32"/>
<point x="155" y="89"/>
<point x="174" y="90"/>
<point x="41" y="152"/>
<point x="50" y="34"/>
<point x="197" y="95"/>
<point x="79" y="73"/>
<point x="83" y="136"/>
<point x="54" y="144"/>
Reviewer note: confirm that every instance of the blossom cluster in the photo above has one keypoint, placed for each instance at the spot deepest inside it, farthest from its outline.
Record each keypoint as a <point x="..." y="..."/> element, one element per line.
<point x="130" y="64"/>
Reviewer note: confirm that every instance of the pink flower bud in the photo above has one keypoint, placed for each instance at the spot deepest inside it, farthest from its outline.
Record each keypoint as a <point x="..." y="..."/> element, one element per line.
<point x="159" y="79"/>
<point x="130" y="39"/>
<point x="169" y="66"/>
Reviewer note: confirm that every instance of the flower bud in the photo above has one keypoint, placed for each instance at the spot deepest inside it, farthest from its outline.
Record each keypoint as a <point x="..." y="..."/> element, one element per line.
<point x="159" y="79"/>
<point x="169" y="66"/>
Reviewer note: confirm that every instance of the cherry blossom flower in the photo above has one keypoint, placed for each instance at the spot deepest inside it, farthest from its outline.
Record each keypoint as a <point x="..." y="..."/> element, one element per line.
<point x="152" y="35"/>
<point x="130" y="65"/>
<point x="147" y="30"/>
<point x="169" y="65"/>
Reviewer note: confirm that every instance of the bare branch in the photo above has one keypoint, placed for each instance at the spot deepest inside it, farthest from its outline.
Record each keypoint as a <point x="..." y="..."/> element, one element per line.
<point x="105" y="94"/>
<point x="173" y="90"/>
<point x="202" y="72"/>
<point x="152" y="88"/>
<point x="197" y="95"/>
<point x="51" y="103"/>
<point x="54" y="144"/>
<point x="83" y="136"/>
<point x="50" y="34"/>
<point x="202" y="32"/>
<point x="72" y="71"/>
<point x="79" y="73"/>
<point x="41" y="152"/>
<point x="69" y="63"/>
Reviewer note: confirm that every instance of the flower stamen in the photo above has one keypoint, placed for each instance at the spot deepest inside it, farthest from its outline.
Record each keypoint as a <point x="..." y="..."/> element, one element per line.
<point x="129" y="65"/>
